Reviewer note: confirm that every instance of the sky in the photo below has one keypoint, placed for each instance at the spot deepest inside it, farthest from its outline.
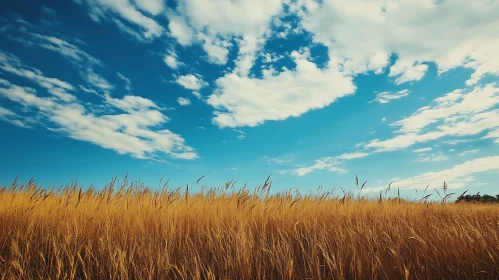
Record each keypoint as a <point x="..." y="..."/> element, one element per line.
<point x="312" y="93"/>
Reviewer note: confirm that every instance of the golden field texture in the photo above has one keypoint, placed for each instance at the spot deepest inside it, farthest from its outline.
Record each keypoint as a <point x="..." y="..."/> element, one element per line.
<point x="127" y="231"/>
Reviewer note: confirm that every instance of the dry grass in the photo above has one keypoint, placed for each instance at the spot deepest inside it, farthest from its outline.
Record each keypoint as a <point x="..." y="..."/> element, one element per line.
<point x="131" y="232"/>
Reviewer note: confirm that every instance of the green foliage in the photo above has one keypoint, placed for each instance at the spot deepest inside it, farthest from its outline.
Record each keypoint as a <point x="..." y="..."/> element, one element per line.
<point x="478" y="198"/>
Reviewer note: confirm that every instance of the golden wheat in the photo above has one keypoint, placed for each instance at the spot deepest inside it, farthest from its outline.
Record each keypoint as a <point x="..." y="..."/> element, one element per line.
<point x="133" y="232"/>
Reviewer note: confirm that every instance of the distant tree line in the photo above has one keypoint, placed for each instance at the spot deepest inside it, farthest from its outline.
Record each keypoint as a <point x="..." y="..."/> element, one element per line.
<point x="478" y="198"/>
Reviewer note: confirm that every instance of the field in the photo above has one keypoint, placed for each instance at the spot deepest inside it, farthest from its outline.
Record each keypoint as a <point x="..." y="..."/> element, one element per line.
<point x="128" y="231"/>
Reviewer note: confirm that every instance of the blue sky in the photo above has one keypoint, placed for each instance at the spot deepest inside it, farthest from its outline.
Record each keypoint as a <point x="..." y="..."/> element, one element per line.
<point x="309" y="92"/>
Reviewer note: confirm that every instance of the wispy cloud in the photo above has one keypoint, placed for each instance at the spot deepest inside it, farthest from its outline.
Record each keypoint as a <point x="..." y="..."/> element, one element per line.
<point x="328" y="163"/>
<point x="423" y="150"/>
<point x="128" y="82"/>
<point x="457" y="177"/>
<point x="465" y="153"/>
<point x="138" y="131"/>
<point x="385" y="97"/>
<point x="279" y="160"/>
<point x="457" y="114"/>
<point x="34" y="36"/>
<point x="135" y="15"/>
<point x="433" y="157"/>
<point x="61" y="89"/>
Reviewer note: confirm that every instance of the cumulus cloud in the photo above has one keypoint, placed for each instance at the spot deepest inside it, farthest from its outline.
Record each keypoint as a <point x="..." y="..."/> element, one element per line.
<point x="180" y="30"/>
<point x="214" y="23"/>
<point x="192" y="82"/>
<point x="466" y="32"/>
<point x="407" y="71"/>
<point x="183" y="101"/>
<point x="171" y="59"/>
<point x="246" y="101"/>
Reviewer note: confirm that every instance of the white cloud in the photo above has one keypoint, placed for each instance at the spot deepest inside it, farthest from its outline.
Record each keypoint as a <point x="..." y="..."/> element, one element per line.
<point x="385" y="97"/>
<point x="457" y="114"/>
<point x="226" y="17"/>
<point x="423" y="150"/>
<point x="354" y="155"/>
<point x="241" y="135"/>
<point x="333" y="164"/>
<point x="138" y="131"/>
<point x="434" y="157"/>
<point x="216" y="48"/>
<point x="214" y="23"/>
<point x="6" y="112"/>
<point x="468" y="152"/>
<point x="123" y="10"/>
<point x="192" y="82"/>
<point x="197" y="94"/>
<point x="97" y="81"/>
<point x="466" y="31"/>
<point x="246" y="101"/>
<point x="11" y="117"/>
<point x="279" y="160"/>
<point x="128" y="83"/>
<point x="72" y="52"/>
<point x="60" y="89"/>
<point x="327" y="163"/>
<point x="180" y="31"/>
<point x="383" y="119"/>
<point x="271" y="57"/>
<point x="456" y="141"/>
<point x="407" y="71"/>
<point x="171" y="59"/>
<point x="48" y="11"/>
<point x="183" y="101"/>
<point x="457" y="177"/>
<point x="153" y="7"/>
<point x="131" y="103"/>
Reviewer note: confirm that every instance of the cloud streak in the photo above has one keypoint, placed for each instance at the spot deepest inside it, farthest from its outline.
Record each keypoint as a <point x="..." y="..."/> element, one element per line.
<point x="132" y="125"/>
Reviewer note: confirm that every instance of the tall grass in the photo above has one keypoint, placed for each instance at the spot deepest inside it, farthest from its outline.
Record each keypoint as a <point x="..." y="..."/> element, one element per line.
<point x="128" y="231"/>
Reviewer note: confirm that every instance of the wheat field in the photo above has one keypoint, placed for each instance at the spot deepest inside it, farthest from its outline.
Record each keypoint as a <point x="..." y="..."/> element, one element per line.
<point x="128" y="231"/>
